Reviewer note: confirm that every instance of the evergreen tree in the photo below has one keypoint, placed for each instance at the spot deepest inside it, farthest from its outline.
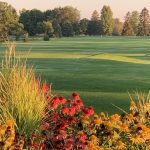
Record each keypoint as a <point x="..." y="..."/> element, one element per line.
<point x="127" y="28"/>
<point x="144" y="22"/>
<point x="107" y="20"/>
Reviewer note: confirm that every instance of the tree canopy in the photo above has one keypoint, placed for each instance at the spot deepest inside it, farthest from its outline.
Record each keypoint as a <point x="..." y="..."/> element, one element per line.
<point x="107" y="20"/>
<point x="8" y="17"/>
<point x="66" y="21"/>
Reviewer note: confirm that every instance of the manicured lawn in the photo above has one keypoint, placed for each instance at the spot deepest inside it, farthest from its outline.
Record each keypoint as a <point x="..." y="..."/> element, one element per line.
<point x="101" y="70"/>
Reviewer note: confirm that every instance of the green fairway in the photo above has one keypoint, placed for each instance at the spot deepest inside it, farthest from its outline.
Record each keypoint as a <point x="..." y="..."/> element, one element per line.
<point x="101" y="70"/>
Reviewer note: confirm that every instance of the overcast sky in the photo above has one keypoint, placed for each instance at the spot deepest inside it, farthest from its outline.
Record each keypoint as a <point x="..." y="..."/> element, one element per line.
<point x="86" y="7"/>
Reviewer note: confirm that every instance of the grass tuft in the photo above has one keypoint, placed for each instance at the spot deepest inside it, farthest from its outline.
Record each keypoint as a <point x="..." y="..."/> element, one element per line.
<point x="21" y="97"/>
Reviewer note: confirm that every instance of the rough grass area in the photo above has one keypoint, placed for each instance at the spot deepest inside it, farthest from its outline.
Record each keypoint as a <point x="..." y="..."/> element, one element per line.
<point x="101" y="70"/>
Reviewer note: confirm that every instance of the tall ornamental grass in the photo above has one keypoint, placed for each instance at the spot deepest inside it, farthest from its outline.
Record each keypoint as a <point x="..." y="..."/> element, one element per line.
<point x="21" y="97"/>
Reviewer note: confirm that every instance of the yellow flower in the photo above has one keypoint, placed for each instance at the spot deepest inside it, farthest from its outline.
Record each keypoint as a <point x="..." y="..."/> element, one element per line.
<point x="120" y="145"/>
<point x="102" y="114"/>
<point x="80" y="132"/>
<point x="109" y="124"/>
<point x="133" y="105"/>
<point x="136" y="139"/>
<point x="3" y="127"/>
<point x="92" y="146"/>
<point x="114" y="117"/>
<point x="10" y="139"/>
<point x="85" y="121"/>
<point x="124" y="127"/>
<point x="7" y="144"/>
<point x="116" y="136"/>
<point x="95" y="116"/>
<point x="97" y="121"/>
<point x="130" y="117"/>
<point x="2" y="132"/>
<point x="94" y="139"/>
<point x="9" y="123"/>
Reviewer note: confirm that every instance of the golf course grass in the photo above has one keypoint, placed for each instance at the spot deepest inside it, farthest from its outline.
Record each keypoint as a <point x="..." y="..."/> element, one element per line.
<point x="101" y="69"/>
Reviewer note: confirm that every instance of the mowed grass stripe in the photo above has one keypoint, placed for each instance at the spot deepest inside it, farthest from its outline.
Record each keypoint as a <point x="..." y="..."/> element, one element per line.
<point x="102" y="69"/>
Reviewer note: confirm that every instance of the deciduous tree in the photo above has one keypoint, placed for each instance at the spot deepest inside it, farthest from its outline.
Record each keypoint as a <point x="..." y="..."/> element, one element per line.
<point x="30" y="19"/>
<point x="48" y="28"/>
<point x="107" y="20"/>
<point x="134" y="20"/>
<point x="118" y="25"/>
<point x="95" y="16"/>
<point x="127" y="27"/>
<point x="144" y="22"/>
<point x="67" y="29"/>
<point x="8" y="17"/>
<point x="57" y="28"/>
<point x="83" y="26"/>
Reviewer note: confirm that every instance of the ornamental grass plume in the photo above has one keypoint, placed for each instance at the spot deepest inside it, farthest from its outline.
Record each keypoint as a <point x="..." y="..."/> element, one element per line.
<point x="21" y="96"/>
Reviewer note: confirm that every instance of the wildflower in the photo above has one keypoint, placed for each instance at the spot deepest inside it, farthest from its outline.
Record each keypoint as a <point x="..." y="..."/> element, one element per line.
<point x="70" y="102"/>
<point x="69" y="144"/>
<point x="62" y="125"/>
<point x="80" y="132"/>
<point x="72" y="111"/>
<point x="132" y="105"/>
<point x="55" y="117"/>
<point x="114" y="117"/>
<point x="62" y="100"/>
<point x="120" y="145"/>
<point x="71" y="120"/>
<point x="102" y="115"/>
<point x="84" y="121"/>
<point x="82" y="136"/>
<point x="95" y="116"/>
<point x="45" y="88"/>
<point x="55" y="102"/>
<point x="116" y="136"/>
<point x="9" y="123"/>
<point x="75" y="96"/>
<point x="79" y="104"/>
<point x="46" y="125"/>
<point x="136" y="139"/>
<point x="62" y="134"/>
<point x="65" y="110"/>
<point x="8" y="144"/>
<point x="97" y="121"/>
<point x="124" y="127"/>
<point x="130" y="117"/>
<point x="88" y="111"/>
<point x="94" y="139"/>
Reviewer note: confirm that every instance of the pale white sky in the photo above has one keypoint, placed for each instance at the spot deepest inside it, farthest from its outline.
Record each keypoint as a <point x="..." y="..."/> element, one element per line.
<point x="86" y="7"/>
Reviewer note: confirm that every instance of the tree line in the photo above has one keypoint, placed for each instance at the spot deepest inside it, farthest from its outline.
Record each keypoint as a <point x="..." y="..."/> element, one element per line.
<point x="66" y="21"/>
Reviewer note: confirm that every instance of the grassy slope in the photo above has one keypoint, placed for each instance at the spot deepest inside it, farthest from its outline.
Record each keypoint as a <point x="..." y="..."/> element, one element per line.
<point x="102" y="70"/>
